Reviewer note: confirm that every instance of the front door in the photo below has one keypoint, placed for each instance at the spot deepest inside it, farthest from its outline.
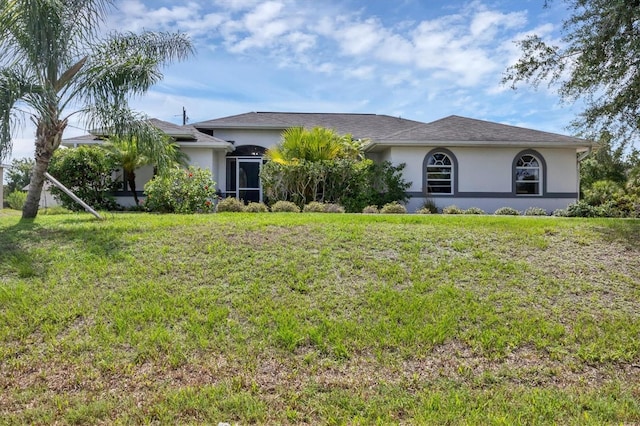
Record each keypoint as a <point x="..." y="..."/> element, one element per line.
<point x="249" y="180"/>
<point x="243" y="179"/>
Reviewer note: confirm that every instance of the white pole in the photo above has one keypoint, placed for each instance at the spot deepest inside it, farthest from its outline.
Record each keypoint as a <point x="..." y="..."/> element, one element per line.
<point x="75" y="198"/>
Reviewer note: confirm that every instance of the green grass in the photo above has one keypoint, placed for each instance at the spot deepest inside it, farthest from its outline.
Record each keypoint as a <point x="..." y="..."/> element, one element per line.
<point x="315" y="318"/>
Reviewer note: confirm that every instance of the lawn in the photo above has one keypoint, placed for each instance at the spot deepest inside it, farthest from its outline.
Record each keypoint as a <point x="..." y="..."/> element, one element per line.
<point x="319" y="319"/>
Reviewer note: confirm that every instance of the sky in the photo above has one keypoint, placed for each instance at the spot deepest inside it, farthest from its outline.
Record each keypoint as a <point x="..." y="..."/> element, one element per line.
<point x="416" y="59"/>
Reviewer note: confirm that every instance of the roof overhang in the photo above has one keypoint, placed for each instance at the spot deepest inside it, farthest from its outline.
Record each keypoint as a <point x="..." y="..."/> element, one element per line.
<point x="379" y="146"/>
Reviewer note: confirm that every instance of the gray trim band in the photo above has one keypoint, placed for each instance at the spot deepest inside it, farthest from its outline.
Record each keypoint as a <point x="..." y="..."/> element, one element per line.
<point x="417" y="194"/>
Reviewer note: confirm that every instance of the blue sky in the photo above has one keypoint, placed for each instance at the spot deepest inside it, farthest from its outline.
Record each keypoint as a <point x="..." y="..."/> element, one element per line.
<point x="418" y="59"/>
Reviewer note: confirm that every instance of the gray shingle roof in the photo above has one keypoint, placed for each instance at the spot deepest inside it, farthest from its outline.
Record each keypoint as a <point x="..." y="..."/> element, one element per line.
<point x="358" y="125"/>
<point x="460" y="129"/>
<point x="384" y="130"/>
<point x="188" y="134"/>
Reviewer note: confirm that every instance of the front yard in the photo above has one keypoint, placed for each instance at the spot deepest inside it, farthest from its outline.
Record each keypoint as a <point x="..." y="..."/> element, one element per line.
<point x="319" y="318"/>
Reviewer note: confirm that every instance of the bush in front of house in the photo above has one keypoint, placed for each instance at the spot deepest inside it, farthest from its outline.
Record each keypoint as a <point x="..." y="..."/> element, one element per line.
<point x="453" y="209"/>
<point x="507" y="211"/>
<point x="314" y="207"/>
<point x="560" y="213"/>
<point x="230" y="204"/>
<point x="474" y="210"/>
<point x="393" y="208"/>
<point x="535" y="211"/>
<point x="333" y="208"/>
<point x="371" y="210"/>
<point x="87" y="172"/>
<point x="181" y="191"/>
<point x="16" y="199"/>
<point x="254" y="207"/>
<point x="285" y="207"/>
<point x="424" y="210"/>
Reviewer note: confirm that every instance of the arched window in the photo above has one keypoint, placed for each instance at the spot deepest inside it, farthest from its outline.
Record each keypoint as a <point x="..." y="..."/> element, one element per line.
<point x="439" y="173"/>
<point x="528" y="174"/>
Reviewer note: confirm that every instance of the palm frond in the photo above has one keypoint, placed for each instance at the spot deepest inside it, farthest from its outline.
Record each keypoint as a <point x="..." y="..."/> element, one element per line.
<point x="14" y="86"/>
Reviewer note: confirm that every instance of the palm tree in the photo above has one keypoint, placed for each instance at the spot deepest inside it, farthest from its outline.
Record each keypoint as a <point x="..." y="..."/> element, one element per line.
<point x="317" y="144"/>
<point x="131" y="156"/>
<point x="55" y="64"/>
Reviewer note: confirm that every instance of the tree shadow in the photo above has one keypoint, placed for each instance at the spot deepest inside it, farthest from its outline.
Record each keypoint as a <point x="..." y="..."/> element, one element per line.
<point x="625" y="231"/>
<point x="28" y="248"/>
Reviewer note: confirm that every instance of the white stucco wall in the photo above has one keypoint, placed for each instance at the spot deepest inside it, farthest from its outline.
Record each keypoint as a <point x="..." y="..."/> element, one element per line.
<point x="489" y="170"/>
<point x="265" y="138"/>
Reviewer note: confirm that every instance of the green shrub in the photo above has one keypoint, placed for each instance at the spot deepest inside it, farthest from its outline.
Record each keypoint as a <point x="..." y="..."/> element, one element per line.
<point x="507" y="211"/>
<point x="16" y="199"/>
<point x="393" y="208"/>
<point x="231" y="204"/>
<point x="535" y="211"/>
<point x="87" y="171"/>
<point x="371" y="210"/>
<point x="560" y="213"/>
<point x="474" y="210"/>
<point x="602" y="191"/>
<point x="254" y="207"/>
<point x="582" y="209"/>
<point x="333" y="208"/>
<point x="285" y="206"/>
<point x="181" y="191"/>
<point x="453" y="209"/>
<point x="424" y="210"/>
<point x="314" y="207"/>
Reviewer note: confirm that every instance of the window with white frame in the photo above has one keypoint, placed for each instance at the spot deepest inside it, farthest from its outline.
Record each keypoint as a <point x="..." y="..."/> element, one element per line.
<point x="528" y="175"/>
<point x="439" y="174"/>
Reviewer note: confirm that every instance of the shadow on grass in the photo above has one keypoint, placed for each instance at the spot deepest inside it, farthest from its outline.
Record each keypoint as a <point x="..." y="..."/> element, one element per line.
<point x="626" y="231"/>
<point x="29" y="247"/>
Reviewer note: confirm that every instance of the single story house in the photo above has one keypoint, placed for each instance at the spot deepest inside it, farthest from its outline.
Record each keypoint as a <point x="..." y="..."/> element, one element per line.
<point x="454" y="160"/>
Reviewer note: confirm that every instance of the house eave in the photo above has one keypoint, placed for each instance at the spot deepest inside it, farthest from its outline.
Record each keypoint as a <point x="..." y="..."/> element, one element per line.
<point x="200" y="145"/>
<point x="378" y="146"/>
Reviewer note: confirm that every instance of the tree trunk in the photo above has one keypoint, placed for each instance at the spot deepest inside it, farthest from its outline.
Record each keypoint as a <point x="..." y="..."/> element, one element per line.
<point x="48" y="138"/>
<point x="131" y="178"/>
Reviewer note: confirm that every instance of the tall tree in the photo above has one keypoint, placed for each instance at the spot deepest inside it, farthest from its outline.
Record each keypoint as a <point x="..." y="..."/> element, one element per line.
<point x="131" y="156"/>
<point x="55" y="64"/>
<point x="19" y="173"/>
<point x="597" y="61"/>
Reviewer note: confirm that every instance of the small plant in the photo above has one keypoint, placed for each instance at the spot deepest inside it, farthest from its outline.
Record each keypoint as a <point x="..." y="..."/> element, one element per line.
<point x="285" y="206"/>
<point x="16" y="199"/>
<point x="314" y="207"/>
<point x="424" y="210"/>
<point x="535" y="211"/>
<point x="371" y="210"/>
<point x="453" y="209"/>
<point x="333" y="208"/>
<point x="474" y="210"/>
<point x="430" y="205"/>
<point x="507" y="211"/>
<point x="254" y="207"/>
<point x="230" y="204"/>
<point x="393" y="208"/>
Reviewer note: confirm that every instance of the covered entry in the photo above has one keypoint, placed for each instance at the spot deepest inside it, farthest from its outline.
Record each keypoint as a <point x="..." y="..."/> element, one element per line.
<point x="243" y="173"/>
